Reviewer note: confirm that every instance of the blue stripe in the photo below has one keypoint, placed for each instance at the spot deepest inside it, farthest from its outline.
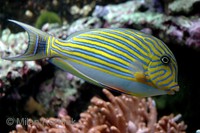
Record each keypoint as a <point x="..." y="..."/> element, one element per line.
<point x="120" y="41"/>
<point x="97" y="64"/>
<point x="148" y="40"/>
<point x="131" y="40"/>
<point x="160" y="45"/>
<point x="157" y="71"/>
<point x="167" y="84"/>
<point x="92" y="54"/>
<point x="98" y="48"/>
<point x="157" y="65"/>
<point x="143" y="41"/>
<point x="158" y="76"/>
<point x="36" y="41"/>
<point x="164" y="78"/>
<point x="136" y="37"/>
<point x="112" y="45"/>
<point x="167" y="76"/>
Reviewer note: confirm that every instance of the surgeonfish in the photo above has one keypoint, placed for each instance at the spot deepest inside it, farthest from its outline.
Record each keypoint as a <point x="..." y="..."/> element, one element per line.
<point x="122" y="59"/>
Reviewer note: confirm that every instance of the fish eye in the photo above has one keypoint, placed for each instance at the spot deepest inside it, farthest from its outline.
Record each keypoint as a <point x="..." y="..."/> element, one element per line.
<point x="165" y="60"/>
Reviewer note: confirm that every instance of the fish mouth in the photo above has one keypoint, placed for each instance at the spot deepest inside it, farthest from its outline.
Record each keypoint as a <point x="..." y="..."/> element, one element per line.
<point x="173" y="89"/>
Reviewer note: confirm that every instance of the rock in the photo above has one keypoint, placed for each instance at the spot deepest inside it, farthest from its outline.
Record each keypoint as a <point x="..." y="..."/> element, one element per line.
<point x="84" y="23"/>
<point x="28" y="13"/>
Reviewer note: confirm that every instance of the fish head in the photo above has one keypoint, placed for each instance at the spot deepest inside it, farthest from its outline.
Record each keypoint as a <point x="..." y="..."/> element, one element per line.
<point x="163" y="72"/>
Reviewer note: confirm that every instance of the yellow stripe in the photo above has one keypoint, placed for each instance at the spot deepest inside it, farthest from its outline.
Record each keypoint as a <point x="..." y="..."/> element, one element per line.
<point x="101" y="45"/>
<point x="156" y="75"/>
<point x="92" y="58"/>
<point x="52" y="44"/>
<point x="95" y="51"/>
<point x="54" y="52"/>
<point x="48" y="45"/>
<point x="162" y="77"/>
<point x="150" y="44"/>
<point x="166" y="80"/>
<point x="116" y="43"/>
<point x="127" y="41"/>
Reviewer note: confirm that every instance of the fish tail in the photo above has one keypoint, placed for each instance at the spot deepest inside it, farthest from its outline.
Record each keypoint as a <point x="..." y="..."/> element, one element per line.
<point x="36" y="45"/>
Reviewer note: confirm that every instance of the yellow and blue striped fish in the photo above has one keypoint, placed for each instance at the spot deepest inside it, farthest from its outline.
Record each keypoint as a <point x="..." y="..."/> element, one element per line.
<point x="122" y="59"/>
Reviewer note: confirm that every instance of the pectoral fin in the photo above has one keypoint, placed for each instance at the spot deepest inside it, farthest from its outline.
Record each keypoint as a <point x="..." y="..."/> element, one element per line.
<point x="138" y="71"/>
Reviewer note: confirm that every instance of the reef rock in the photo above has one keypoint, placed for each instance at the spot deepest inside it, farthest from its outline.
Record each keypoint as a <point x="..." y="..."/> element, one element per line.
<point x="183" y="6"/>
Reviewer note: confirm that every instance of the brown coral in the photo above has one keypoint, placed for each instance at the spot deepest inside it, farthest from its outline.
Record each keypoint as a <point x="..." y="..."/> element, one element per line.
<point x="121" y="114"/>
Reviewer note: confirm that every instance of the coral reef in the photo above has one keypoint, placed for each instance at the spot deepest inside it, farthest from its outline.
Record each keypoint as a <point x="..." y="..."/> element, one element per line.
<point x="13" y="44"/>
<point x="69" y="10"/>
<point x="84" y="23"/>
<point x="66" y="30"/>
<point x="182" y="6"/>
<point x="56" y="30"/>
<point x="84" y="11"/>
<point x="56" y="93"/>
<point x="194" y="33"/>
<point x="121" y="114"/>
<point x="111" y="12"/>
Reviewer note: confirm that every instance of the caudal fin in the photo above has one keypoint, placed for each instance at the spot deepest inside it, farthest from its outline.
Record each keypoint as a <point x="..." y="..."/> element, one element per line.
<point x="36" y="45"/>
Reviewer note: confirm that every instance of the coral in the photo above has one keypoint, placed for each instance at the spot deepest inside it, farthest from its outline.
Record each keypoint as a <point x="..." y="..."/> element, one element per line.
<point x="154" y="5"/>
<point x="84" y="23"/>
<point x="121" y="114"/>
<point x="56" y="30"/>
<point x="194" y="32"/>
<point x="47" y="17"/>
<point x="84" y="11"/>
<point x="30" y="9"/>
<point x="182" y="6"/>
<point x="13" y="44"/>
<point x="131" y="15"/>
<point x="65" y="30"/>
<point x="100" y="11"/>
<point x="58" y="92"/>
<point x="111" y="12"/>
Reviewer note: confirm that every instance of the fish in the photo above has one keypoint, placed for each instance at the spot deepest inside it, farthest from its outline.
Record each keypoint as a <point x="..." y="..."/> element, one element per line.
<point x="121" y="59"/>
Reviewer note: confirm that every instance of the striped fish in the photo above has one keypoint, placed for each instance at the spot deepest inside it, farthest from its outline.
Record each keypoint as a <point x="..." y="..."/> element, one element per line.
<point x="121" y="59"/>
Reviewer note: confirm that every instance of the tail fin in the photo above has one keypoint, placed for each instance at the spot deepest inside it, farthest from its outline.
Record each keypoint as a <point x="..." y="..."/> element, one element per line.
<point x="36" y="44"/>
